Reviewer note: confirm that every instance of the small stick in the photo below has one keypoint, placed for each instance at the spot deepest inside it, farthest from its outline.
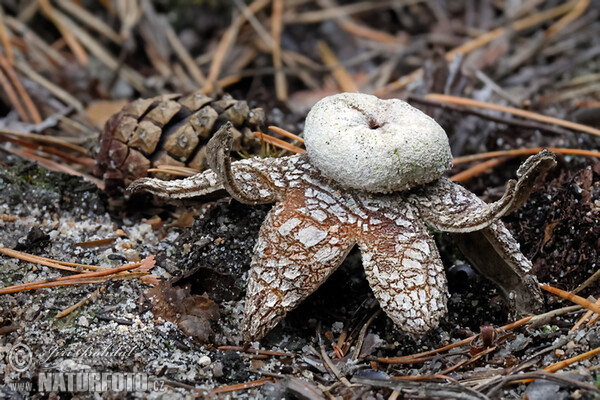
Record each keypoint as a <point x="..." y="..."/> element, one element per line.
<point x="42" y="260"/>
<point x="583" y="319"/>
<point x="174" y="170"/>
<point x="331" y="366"/>
<point x="57" y="91"/>
<point x="467" y="47"/>
<point x="62" y="279"/>
<point x="12" y="97"/>
<point x="54" y="166"/>
<point x="243" y="386"/>
<point x="53" y="140"/>
<point x="96" y="243"/>
<point x="340" y="74"/>
<point x="573" y="298"/>
<point x="542" y="318"/>
<point x="575" y="13"/>
<point x="279" y="143"/>
<point x="410" y="359"/>
<point x="227" y="42"/>
<point x="5" y="39"/>
<point x="524" y="152"/>
<point x="90" y="20"/>
<point x="285" y="133"/>
<point x="477" y="169"/>
<point x="528" y="124"/>
<point x="35" y="259"/>
<point x="185" y="56"/>
<point x="276" y="28"/>
<point x="564" y="363"/>
<point x="595" y="276"/>
<point x="250" y="350"/>
<point x="67" y="35"/>
<point x="80" y="303"/>
<point x="463" y="101"/>
<point x="363" y="334"/>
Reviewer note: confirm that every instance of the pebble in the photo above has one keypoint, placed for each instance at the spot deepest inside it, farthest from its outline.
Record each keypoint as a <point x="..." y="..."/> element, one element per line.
<point x="83" y="321"/>
<point x="204" y="361"/>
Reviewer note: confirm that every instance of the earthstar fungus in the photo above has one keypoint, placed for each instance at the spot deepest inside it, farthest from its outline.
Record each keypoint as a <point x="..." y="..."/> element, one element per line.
<point x="372" y="176"/>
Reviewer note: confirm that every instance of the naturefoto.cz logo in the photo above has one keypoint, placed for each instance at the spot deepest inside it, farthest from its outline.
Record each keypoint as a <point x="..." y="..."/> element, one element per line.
<point x="20" y="359"/>
<point x="97" y="382"/>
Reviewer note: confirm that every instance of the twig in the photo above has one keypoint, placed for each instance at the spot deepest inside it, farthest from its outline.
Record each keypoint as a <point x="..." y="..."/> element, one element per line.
<point x="523" y="152"/>
<point x="243" y="386"/>
<point x="575" y="13"/>
<point x="496" y="118"/>
<point x="285" y="133"/>
<point x="174" y="170"/>
<point x="425" y="390"/>
<point x="414" y="358"/>
<point x="60" y="93"/>
<point x="90" y="20"/>
<point x="276" y="28"/>
<point x="517" y="26"/>
<point x="595" y="276"/>
<point x="477" y="169"/>
<point x="311" y="17"/>
<point x="543" y="318"/>
<point x="134" y="78"/>
<point x="67" y="35"/>
<point x="54" y="165"/>
<point x="81" y="303"/>
<point x="583" y="319"/>
<point x="46" y="261"/>
<point x="5" y="39"/>
<point x="250" y="350"/>
<point x="530" y="376"/>
<point x="279" y="143"/>
<point x="184" y="56"/>
<point x="363" y="334"/>
<point x="67" y="279"/>
<point x="53" y="140"/>
<point x="515" y="111"/>
<point x="572" y="298"/>
<point x="340" y="74"/>
<point x="226" y="42"/>
<point x="12" y="97"/>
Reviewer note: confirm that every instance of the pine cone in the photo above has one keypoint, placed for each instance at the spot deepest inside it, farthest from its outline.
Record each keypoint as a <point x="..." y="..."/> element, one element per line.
<point x="169" y="130"/>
